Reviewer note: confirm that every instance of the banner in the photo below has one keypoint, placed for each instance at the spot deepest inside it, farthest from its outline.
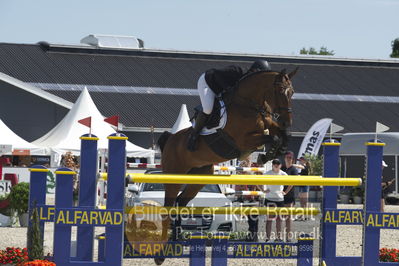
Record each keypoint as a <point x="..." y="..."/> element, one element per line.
<point x="313" y="139"/>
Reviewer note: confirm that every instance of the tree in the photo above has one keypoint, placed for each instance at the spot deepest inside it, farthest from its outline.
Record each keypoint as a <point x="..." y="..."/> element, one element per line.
<point x="395" y="48"/>
<point x="35" y="238"/>
<point x="323" y="51"/>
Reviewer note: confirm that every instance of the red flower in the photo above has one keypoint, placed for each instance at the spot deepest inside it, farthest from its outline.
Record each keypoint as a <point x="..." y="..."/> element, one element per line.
<point x="13" y="255"/>
<point x="389" y="255"/>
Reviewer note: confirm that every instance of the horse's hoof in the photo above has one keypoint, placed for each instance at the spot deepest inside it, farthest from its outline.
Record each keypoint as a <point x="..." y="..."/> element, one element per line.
<point x="159" y="261"/>
<point x="261" y="159"/>
<point x="282" y="151"/>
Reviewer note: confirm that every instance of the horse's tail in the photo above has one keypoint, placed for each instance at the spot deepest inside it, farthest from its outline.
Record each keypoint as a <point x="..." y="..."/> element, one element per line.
<point x="163" y="139"/>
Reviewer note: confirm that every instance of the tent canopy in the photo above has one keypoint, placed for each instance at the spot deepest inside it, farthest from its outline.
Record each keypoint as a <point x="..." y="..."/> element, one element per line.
<point x="65" y="135"/>
<point x="183" y="120"/>
<point x="354" y="143"/>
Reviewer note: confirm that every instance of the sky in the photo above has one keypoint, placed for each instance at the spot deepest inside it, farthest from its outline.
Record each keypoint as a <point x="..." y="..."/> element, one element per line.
<point x="351" y="28"/>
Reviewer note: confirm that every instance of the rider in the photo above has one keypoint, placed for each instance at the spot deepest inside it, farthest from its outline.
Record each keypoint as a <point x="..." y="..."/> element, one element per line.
<point x="213" y="82"/>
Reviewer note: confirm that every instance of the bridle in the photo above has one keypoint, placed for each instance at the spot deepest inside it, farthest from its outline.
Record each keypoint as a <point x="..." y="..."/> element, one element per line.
<point x="263" y="109"/>
<point x="284" y="90"/>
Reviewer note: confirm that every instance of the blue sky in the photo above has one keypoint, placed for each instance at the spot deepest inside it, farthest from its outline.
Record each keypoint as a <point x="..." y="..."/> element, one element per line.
<point x="352" y="28"/>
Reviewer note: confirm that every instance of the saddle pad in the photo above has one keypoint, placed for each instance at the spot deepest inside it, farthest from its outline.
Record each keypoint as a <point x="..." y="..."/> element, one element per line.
<point x="223" y="145"/>
<point x="222" y="123"/>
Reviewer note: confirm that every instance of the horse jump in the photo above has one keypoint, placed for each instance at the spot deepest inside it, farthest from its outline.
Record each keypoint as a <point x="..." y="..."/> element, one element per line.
<point x="86" y="216"/>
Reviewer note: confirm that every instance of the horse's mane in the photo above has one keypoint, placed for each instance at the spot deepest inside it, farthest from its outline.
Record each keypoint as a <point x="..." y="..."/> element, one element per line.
<point x="247" y="76"/>
<point x="230" y="93"/>
<point x="251" y="74"/>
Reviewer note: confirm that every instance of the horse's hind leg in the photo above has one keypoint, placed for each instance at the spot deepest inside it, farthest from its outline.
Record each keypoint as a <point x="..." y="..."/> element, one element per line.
<point x="190" y="191"/>
<point x="171" y="191"/>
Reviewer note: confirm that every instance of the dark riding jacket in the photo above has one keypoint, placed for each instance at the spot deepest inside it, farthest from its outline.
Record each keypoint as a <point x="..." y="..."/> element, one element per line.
<point x="221" y="79"/>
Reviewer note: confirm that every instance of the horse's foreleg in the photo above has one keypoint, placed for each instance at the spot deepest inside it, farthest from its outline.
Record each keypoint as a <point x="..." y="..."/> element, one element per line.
<point x="272" y="126"/>
<point x="171" y="191"/>
<point x="271" y="153"/>
<point x="188" y="194"/>
<point x="282" y="134"/>
<point x="276" y="142"/>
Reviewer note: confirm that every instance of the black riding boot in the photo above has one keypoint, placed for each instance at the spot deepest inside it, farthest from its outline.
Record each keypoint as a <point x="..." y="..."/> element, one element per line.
<point x="200" y="122"/>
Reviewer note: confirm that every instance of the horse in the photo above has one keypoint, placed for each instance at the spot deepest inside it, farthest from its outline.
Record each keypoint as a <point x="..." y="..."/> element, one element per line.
<point x="260" y="101"/>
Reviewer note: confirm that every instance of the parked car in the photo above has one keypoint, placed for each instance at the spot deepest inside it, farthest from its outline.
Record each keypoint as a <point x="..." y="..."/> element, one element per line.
<point x="209" y="196"/>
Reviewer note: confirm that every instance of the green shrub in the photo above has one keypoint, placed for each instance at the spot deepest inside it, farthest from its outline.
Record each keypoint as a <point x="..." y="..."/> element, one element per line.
<point x="19" y="198"/>
<point x="316" y="164"/>
<point x="3" y="202"/>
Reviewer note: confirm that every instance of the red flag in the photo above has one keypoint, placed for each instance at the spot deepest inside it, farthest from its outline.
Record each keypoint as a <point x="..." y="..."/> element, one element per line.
<point x="86" y="121"/>
<point x="113" y="120"/>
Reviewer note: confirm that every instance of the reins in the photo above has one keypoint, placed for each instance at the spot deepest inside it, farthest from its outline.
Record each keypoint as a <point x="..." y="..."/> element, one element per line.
<point x="263" y="109"/>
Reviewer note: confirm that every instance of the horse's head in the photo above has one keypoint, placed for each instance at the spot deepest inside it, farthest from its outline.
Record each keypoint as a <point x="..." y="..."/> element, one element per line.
<point x="280" y="99"/>
<point x="273" y="89"/>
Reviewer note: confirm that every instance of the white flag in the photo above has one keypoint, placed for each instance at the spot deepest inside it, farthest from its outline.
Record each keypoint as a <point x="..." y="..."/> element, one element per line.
<point x="380" y="128"/>
<point x="335" y="128"/>
<point x="312" y="141"/>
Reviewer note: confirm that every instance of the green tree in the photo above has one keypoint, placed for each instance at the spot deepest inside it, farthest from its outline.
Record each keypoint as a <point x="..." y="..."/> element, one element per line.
<point x="312" y="50"/>
<point x="323" y="51"/>
<point x="304" y="51"/>
<point x="35" y="238"/>
<point x="395" y="48"/>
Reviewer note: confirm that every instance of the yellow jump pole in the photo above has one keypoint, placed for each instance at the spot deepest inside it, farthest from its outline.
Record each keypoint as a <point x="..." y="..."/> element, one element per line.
<point x="104" y="176"/>
<point x="242" y="210"/>
<point x="243" y="180"/>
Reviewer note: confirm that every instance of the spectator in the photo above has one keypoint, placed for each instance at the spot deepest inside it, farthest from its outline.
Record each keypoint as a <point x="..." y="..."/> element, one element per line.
<point x="384" y="187"/>
<point x="289" y="198"/>
<point x="274" y="197"/>
<point x="70" y="161"/>
<point x="303" y="190"/>
<point x="244" y="163"/>
<point x="252" y="219"/>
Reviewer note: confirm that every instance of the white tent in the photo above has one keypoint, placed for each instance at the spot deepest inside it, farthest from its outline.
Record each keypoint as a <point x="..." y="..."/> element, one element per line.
<point x="65" y="136"/>
<point x="183" y="120"/>
<point x="8" y="137"/>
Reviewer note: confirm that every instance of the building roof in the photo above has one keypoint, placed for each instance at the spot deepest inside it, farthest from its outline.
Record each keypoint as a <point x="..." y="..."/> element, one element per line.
<point x="147" y="87"/>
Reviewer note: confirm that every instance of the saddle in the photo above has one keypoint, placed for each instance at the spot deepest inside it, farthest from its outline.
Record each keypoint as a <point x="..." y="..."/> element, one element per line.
<point x="218" y="140"/>
<point x="214" y="117"/>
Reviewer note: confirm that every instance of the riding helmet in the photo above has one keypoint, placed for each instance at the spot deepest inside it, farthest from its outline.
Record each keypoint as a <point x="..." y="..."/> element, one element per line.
<point x="260" y="65"/>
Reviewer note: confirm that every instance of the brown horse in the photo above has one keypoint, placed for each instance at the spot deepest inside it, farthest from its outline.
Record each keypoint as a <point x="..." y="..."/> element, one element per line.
<point x="252" y="108"/>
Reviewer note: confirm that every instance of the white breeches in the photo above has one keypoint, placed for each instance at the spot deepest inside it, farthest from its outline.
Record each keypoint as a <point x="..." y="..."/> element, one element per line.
<point x="207" y="96"/>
